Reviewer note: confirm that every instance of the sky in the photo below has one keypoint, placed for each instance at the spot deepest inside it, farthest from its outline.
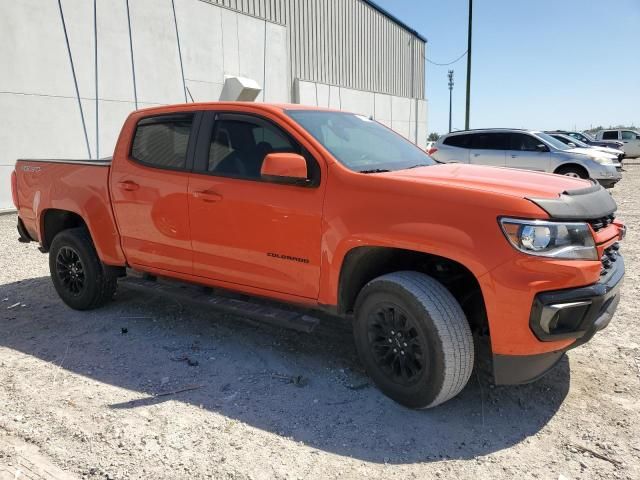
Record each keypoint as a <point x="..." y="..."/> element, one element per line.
<point x="538" y="64"/>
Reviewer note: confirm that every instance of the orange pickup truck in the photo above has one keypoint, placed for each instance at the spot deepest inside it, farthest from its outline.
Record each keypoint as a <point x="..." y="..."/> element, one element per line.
<point x="332" y="211"/>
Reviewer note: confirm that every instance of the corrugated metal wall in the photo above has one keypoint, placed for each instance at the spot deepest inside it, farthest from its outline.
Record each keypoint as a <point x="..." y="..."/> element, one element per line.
<point x="271" y="10"/>
<point x="345" y="42"/>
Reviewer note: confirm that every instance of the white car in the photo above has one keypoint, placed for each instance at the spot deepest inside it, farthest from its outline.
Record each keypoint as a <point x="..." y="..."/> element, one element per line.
<point x="528" y="150"/>
<point x="575" y="143"/>
<point x="630" y="139"/>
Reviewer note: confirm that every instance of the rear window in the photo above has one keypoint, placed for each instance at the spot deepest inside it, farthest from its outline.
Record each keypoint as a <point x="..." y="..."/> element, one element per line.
<point x="457" y="141"/>
<point x="162" y="141"/>
<point x="610" y="135"/>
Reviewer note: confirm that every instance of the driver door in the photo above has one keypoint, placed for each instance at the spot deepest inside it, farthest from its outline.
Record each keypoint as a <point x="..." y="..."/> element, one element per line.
<point x="249" y="231"/>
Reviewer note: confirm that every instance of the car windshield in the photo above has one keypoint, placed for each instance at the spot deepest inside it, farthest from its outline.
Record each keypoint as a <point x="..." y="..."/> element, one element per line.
<point x="360" y="143"/>
<point x="566" y="139"/>
<point x="588" y="137"/>
<point x="549" y="140"/>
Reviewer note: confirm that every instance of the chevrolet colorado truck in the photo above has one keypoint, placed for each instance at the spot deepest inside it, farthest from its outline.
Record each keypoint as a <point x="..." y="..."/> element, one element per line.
<point x="331" y="211"/>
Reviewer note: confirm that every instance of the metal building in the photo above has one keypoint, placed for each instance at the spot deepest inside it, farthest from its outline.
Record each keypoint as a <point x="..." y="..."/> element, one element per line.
<point x="74" y="69"/>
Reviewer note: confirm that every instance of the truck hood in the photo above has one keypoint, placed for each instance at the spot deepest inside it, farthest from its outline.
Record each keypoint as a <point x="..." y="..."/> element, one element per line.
<point x="506" y="181"/>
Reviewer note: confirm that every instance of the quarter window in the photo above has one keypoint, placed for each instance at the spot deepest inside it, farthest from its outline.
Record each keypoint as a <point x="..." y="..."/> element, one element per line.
<point x="610" y="135"/>
<point x="461" y="141"/>
<point x="162" y="141"/>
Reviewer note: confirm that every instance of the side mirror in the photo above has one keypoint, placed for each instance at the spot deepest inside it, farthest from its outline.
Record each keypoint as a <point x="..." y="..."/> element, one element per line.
<point x="571" y="144"/>
<point x="287" y="168"/>
<point x="542" y="148"/>
<point x="637" y="137"/>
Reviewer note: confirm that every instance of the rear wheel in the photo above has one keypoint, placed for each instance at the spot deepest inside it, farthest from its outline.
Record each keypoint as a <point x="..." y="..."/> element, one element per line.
<point x="78" y="275"/>
<point x="573" y="171"/>
<point x="413" y="338"/>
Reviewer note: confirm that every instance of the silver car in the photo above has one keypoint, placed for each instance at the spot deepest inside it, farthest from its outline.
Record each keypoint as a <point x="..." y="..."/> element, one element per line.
<point x="529" y="150"/>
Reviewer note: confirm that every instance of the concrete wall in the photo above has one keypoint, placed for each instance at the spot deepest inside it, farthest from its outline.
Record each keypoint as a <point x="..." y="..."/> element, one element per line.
<point x="38" y="99"/>
<point x="407" y="116"/>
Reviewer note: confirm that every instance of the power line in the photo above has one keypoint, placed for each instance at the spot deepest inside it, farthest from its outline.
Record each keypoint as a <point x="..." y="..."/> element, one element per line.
<point x="449" y="63"/>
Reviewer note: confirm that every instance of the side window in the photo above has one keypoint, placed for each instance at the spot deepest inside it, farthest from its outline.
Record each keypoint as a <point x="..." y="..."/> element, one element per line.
<point x="610" y="135"/>
<point x="240" y="143"/>
<point x="628" y="135"/>
<point x="526" y="143"/>
<point x="461" y="141"/>
<point x="162" y="141"/>
<point x="489" y="141"/>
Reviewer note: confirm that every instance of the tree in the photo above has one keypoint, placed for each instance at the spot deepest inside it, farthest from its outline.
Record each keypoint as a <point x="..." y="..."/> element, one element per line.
<point x="433" y="137"/>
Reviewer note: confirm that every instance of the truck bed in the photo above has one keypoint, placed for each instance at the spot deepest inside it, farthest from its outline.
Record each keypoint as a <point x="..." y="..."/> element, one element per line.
<point x="44" y="186"/>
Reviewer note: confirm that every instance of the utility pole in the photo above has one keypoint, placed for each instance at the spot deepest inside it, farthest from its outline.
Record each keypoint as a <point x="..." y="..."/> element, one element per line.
<point x="450" y="75"/>
<point x="466" y="118"/>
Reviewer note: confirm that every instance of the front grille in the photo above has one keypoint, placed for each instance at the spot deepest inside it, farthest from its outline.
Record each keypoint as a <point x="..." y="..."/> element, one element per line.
<point x="600" y="223"/>
<point x="609" y="257"/>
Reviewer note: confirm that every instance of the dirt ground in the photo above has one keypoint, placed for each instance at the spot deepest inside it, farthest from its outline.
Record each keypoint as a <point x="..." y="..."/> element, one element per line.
<point x="89" y="395"/>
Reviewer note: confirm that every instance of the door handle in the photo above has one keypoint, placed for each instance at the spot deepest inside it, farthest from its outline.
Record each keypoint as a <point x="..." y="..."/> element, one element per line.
<point x="514" y="156"/>
<point x="128" y="185"/>
<point x="476" y="154"/>
<point x="207" y="196"/>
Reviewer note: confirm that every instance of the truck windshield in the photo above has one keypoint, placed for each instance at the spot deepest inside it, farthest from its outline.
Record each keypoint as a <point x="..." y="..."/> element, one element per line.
<point x="360" y="143"/>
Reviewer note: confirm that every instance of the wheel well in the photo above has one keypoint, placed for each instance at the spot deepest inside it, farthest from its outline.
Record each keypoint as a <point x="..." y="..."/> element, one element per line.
<point x="572" y="166"/>
<point x="55" y="221"/>
<point x="363" y="264"/>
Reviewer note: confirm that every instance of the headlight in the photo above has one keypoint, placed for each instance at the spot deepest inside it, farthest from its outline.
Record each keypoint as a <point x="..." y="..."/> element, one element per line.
<point x="572" y="241"/>
<point x="604" y="160"/>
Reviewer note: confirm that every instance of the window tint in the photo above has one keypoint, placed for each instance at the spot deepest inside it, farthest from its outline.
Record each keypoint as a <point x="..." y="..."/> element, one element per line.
<point x="490" y="141"/>
<point x="628" y="135"/>
<point x="527" y="143"/>
<point x="162" y="141"/>
<point x="457" y="141"/>
<point x="240" y="143"/>
<point x="610" y="135"/>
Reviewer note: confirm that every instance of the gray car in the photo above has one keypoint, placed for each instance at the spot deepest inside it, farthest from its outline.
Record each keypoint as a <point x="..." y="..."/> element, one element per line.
<point x="529" y="150"/>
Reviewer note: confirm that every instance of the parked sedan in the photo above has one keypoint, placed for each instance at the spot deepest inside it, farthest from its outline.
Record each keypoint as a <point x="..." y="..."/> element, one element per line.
<point x="529" y="150"/>
<point x="575" y="143"/>
<point x="592" y="141"/>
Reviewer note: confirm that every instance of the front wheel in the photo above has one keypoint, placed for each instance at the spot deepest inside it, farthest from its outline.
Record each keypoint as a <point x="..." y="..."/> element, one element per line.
<point x="78" y="275"/>
<point x="573" y="172"/>
<point x="413" y="339"/>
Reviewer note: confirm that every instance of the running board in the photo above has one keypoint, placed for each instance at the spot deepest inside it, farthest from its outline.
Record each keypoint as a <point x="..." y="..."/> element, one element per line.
<point x="257" y="310"/>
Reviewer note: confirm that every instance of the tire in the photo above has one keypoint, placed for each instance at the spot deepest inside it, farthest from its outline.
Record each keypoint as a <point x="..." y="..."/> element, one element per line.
<point x="439" y="354"/>
<point x="78" y="275"/>
<point x="573" y="171"/>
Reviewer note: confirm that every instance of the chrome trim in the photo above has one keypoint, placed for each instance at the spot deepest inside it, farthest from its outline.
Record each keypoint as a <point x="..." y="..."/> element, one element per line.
<point x="549" y="312"/>
<point x="95" y="163"/>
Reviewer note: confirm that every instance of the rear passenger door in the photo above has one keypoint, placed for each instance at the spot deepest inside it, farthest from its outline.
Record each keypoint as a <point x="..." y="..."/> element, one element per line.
<point x="148" y="190"/>
<point x="524" y="153"/>
<point x="488" y="148"/>
<point x="248" y="231"/>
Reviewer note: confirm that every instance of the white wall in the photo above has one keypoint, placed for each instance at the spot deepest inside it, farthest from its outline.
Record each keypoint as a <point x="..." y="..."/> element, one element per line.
<point x="41" y="117"/>
<point x="398" y="113"/>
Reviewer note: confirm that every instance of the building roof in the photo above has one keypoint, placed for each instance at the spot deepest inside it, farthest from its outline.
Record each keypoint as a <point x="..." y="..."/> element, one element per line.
<point x="395" y="19"/>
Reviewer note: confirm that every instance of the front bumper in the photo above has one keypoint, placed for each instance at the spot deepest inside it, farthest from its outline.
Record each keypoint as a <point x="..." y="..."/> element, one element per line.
<point x="577" y="313"/>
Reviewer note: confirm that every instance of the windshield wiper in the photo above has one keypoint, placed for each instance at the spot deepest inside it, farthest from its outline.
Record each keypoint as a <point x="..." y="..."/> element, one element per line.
<point x="374" y="170"/>
<point x="418" y="165"/>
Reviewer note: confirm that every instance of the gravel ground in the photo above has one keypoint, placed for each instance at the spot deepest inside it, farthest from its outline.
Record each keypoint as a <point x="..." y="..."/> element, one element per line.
<point x="89" y="395"/>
